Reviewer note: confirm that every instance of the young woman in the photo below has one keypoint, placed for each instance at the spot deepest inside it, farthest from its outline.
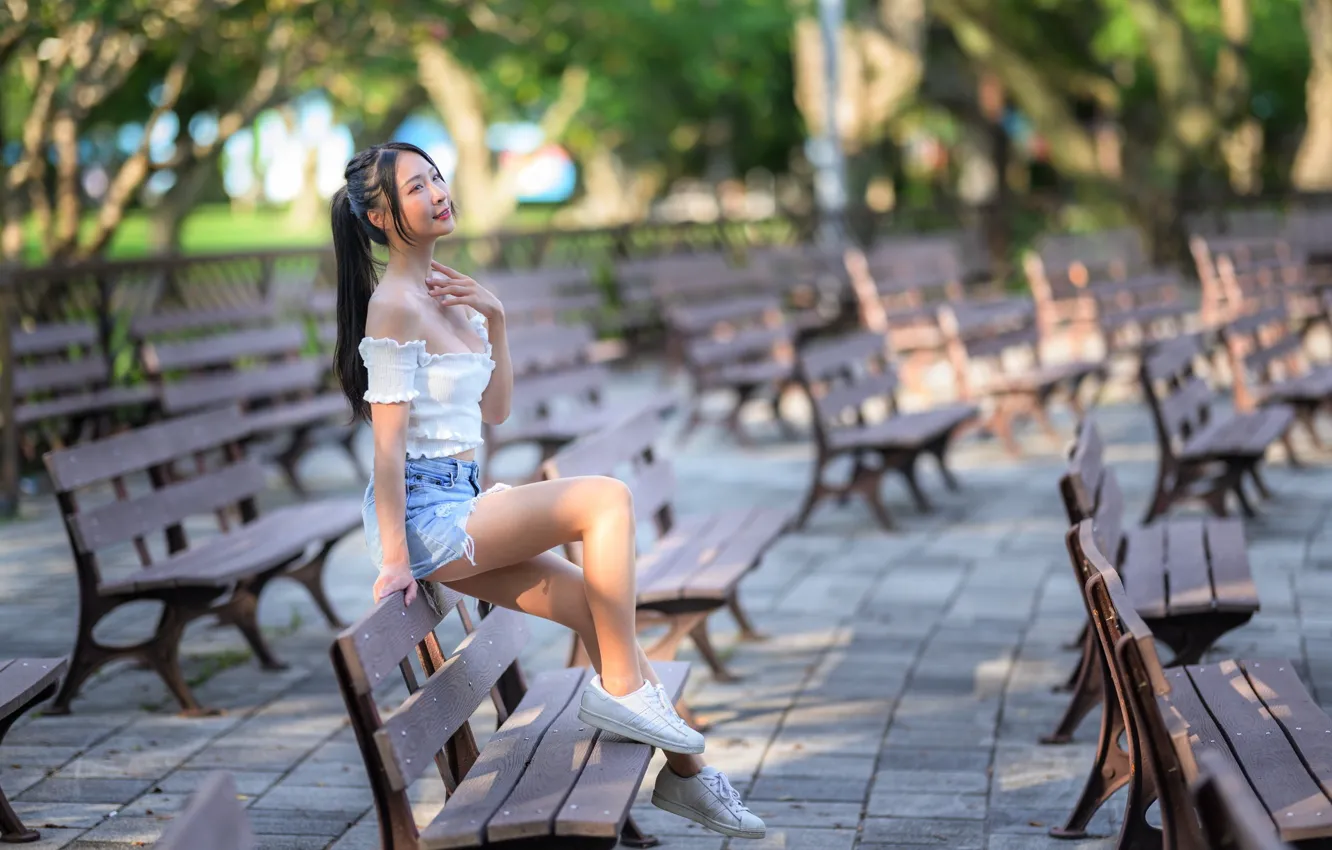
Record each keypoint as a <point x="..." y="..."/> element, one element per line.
<point x="423" y="355"/>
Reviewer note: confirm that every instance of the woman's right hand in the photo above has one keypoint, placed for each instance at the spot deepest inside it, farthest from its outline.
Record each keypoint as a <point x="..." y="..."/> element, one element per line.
<point x="393" y="579"/>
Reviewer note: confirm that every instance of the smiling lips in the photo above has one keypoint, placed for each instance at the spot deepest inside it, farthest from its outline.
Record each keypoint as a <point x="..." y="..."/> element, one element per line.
<point x="443" y="215"/>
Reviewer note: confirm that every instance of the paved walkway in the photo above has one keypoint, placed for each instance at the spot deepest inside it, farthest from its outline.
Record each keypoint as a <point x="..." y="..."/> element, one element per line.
<point x="896" y="703"/>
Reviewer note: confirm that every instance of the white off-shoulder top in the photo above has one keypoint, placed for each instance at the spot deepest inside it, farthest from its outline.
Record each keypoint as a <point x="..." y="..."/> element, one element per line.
<point x="444" y="390"/>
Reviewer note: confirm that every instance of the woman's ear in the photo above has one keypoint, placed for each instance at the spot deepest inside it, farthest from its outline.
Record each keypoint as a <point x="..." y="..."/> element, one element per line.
<point x="376" y="217"/>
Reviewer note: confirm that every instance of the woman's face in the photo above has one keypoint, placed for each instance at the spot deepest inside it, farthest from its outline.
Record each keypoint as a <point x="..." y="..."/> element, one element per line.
<point x="423" y="197"/>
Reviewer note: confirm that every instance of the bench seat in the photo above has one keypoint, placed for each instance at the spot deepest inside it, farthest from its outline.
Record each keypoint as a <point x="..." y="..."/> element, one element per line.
<point x="1257" y="715"/>
<point x="563" y="428"/>
<point x="1313" y="387"/>
<point x="760" y="372"/>
<point x="272" y="540"/>
<point x="908" y="431"/>
<point x="699" y="562"/>
<point x="1188" y="566"/>
<point x="545" y="774"/>
<point x="1245" y="435"/>
<point x="24" y="682"/>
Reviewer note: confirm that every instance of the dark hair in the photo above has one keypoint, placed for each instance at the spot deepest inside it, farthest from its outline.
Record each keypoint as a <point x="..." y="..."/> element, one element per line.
<point x="371" y="181"/>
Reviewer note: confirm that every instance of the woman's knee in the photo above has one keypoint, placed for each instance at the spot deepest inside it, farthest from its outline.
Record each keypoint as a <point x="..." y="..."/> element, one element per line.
<point x="606" y="498"/>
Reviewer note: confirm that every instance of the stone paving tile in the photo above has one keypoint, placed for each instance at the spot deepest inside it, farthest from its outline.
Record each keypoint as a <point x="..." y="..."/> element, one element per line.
<point x="896" y="702"/>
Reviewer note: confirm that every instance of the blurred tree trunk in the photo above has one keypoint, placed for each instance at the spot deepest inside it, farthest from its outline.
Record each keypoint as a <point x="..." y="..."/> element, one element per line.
<point x="487" y="194"/>
<point x="882" y="63"/>
<point x="1313" y="162"/>
<point x="613" y="191"/>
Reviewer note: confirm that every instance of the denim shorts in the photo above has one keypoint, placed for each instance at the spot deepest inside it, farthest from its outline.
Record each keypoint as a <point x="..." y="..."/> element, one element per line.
<point x="441" y="494"/>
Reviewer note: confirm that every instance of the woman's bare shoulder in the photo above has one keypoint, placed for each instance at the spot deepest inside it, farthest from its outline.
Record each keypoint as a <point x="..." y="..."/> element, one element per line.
<point x="391" y="315"/>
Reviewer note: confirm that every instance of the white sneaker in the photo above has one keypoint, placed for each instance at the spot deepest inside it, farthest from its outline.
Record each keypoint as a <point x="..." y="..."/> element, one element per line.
<point x="646" y="716"/>
<point x="707" y="798"/>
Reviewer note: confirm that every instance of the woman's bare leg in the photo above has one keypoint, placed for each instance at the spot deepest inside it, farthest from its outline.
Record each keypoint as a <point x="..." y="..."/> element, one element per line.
<point x="516" y="525"/>
<point x="549" y="587"/>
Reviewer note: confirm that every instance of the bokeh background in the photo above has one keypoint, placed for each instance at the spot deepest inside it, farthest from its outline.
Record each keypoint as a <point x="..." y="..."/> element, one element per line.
<point x="130" y="127"/>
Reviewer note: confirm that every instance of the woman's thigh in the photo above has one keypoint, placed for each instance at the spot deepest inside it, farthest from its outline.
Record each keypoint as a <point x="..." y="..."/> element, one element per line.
<point x="545" y="586"/>
<point x="515" y="525"/>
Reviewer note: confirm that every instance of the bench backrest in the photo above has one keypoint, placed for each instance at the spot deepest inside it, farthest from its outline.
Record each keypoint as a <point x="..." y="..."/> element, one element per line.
<point x="625" y="450"/>
<point x="1262" y="346"/>
<point x="545" y="295"/>
<point x="172" y="322"/>
<point x="1138" y="679"/>
<point x="209" y="443"/>
<point x="988" y="334"/>
<point x="1181" y="402"/>
<point x="732" y="330"/>
<point x="843" y="376"/>
<point x="432" y="726"/>
<point x="1236" y="269"/>
<point x="1066" y="266"/>
<point x="225" y="349"/>
<point x="299" y="377"/>
<point x="899" y="288"/>
<point x="57" y="358"/>
<point x="212" y="820"/>
<point x="542" y="348"/>
<point x="640" y="279"/>
<point x="1090" y="489"/>
<point x="711" y="283"/>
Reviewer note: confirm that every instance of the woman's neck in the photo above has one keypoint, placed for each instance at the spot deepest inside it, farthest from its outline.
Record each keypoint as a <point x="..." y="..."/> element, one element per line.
<point x="410" y="262"/>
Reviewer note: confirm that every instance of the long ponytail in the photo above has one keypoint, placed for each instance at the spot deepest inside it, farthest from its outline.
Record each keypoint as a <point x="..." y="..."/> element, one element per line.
<point x="370" y="185"/>
<point x="357" y="275"/>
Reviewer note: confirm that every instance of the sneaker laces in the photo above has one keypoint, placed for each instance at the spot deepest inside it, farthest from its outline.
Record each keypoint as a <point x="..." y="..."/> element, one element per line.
<point x="721" y="786"/>
<point x="664" y="703"/>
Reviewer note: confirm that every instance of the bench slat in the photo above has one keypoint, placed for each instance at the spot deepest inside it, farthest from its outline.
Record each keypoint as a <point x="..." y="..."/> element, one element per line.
<point x="674" y="558"/>
<point x="605" y="790"/>
<point x="1087" y="468"/>
<point x="374" y="645"/>
<point x="1298" y="805"/>
<point x="51" y="339"/>
<point x="1144" y="578"/>
<point x="551" y="773"/>
<point x="142" y="448"/>
<point x="185" y="320"/>
<point x="1110" y="514"/>
<point x="1232" y="580"/>
<point x="225" y="348"/>
<point x="471" y="810"/>
<point x="1190" y="586"/>
<point x="1202" y="731"/>
<point x="600" y="453"/>
<point x="213" y="820"/>
<point x="429" y="717"/>
<point x="66" y="374"/>
<point x="23" y="678"/>
<point x="119" y="521"/>
<point x="1304" y="722"/>
<point x="749" y="538"/>
<point x="95" y="401"/>
<point x="194" y="393"/>
<point x="1231" y="816"/>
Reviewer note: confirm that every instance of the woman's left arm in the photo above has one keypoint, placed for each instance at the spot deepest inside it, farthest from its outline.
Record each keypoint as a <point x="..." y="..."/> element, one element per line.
<point x="458" y="288"/>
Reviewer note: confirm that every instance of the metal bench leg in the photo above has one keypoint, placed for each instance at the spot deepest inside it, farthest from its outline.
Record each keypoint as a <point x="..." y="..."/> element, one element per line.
<point x="632" y="836"/>
<point x="747" y="630"/>
<point x="311" y="576"/>
<point x="12" y="830"/>
<point x="950" y="480"/>
<point x="703" y="642"/>
<point x="242" y="611"/>
<point x="913" y="484"/>
<point x="1087" y="691"/>
<point x="1109" y="771"/>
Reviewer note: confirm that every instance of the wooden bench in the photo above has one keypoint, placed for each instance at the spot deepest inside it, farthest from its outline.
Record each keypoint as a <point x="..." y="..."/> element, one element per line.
<point x="546" y="295"/>
<point x="24" y="683"/>
<point x="898" y="295"/>
<point x="1236" y="271"/>
<point x="221" y="574"/>
<point x="212" y="820"/>
<point x="984" y="340"/>
<point x="640" y="281"/>
<point x="844" y="377"/>
<point x="1255" y="714"/>
<point x="170" y="323"/>
<point x="558" y="392"/>
<point x="744" y="346"/>
<point x="1203" y="453"/>
<point x="545" y="779"/>
<point x="1189" y="578"/>
<point x="285" y="395"/>
<point x="695" y="565"/>
<point x="1231" y="816"/>
<point x="1268" y="365"/>
<point x="63" y="389"/>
